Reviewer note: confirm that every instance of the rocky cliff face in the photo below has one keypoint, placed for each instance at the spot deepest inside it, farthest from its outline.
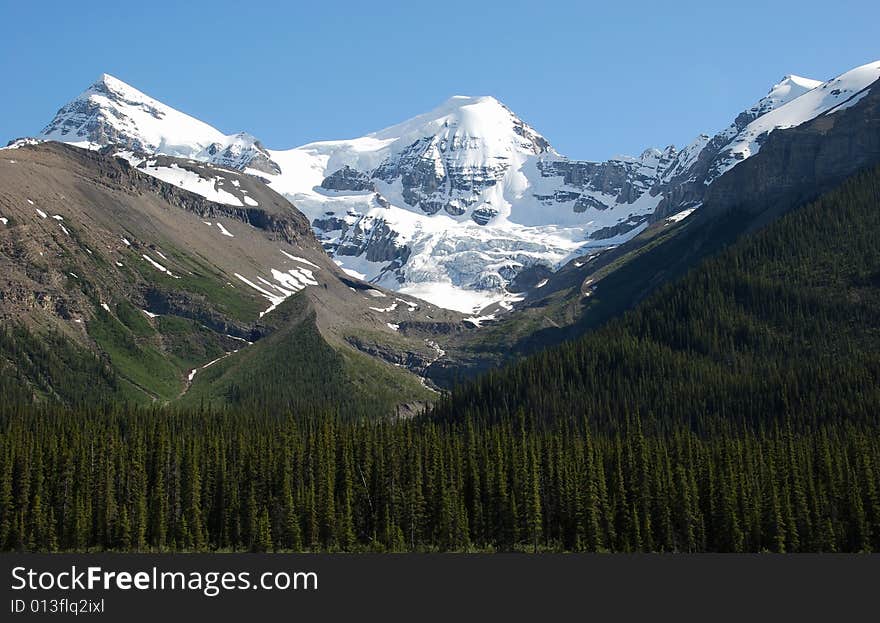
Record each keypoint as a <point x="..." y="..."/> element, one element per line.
<point x="375" y="240"/>
<point x="243" y="152"/>
<point x="605" y="185"/>
<point x="431" y="181"/>
<point x="451" y="169"/>
<point x="347" y="178"/>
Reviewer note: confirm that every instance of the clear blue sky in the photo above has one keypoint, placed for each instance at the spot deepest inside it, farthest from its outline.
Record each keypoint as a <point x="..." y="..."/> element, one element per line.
<point x="597" y="79"/>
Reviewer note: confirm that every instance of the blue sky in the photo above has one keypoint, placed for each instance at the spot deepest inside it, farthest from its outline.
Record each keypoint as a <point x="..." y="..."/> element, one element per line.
<point x="597" y="79"/>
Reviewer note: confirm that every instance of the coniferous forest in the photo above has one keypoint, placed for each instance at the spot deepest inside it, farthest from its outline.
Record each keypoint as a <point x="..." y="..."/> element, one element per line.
<point x="734" y="410"/>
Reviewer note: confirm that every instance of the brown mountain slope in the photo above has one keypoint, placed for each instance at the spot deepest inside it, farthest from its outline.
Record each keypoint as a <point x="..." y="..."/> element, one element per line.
<point x="158" y="281"/>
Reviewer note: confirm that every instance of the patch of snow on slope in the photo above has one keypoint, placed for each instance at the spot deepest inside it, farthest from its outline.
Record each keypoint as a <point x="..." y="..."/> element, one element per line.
<point x="274" y="299"/>
<point x="240" y="339"/>
<point x="409" y="304"/>
<point x="479" y="320"/>
<point x="224" y="231"/>
<point x="392" y="307"/>
<point x="352" y="273"/>
<point x="299" y="259"/>
<point x="680" y="216"/>
<point x="290" y="281"/>
<point x="614" y="241"/>
<point x="157" y="265"/>
<point x="193" y="182"/>
<point x="296" y="278"/>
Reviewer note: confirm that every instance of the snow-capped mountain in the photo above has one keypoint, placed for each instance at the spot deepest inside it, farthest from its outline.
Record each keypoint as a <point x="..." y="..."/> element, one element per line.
<point x="451" y="205"/>
<point x="448" y="206"/>
<point x="111" y="112"/>
<point x="791" y="102"/>
<point x="789" y="88"/>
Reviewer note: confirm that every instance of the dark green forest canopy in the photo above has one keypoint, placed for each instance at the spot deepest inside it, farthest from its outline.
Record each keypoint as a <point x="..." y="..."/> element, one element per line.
<point x="223" y="481"/>
<point x="735" y="410"/>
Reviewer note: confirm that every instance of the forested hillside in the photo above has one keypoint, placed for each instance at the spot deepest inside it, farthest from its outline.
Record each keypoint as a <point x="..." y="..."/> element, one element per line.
<point x="783" y="324"/>
<point x="734" y="410"/>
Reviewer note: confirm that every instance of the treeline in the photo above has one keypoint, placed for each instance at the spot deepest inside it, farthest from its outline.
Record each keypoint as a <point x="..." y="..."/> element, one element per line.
<point x="200" y="481"/>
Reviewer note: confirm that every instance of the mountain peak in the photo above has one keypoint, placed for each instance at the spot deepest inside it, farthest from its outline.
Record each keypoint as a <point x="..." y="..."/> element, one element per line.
<point x="108" y="83"/>
<point x="482" y="106"/>
<point x="807" y="83"/>
<point x="109" y="80"/>
<point x="458" y="101"/>
<point x="787" y="89"/>
<point x="472" y="99"/>
<point x="112" y="112"/>
<point x="467" y="117"/>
